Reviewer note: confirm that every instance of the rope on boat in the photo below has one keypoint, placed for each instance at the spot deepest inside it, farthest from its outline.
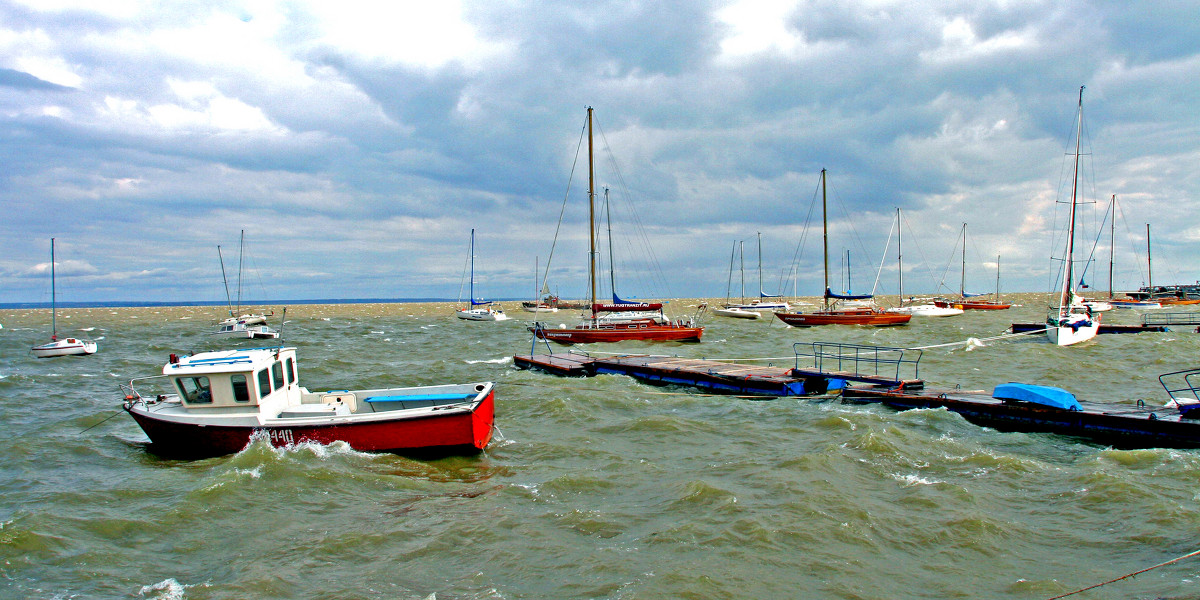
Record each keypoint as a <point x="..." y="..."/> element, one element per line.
<point x="979" y="341"/>
<point x="1135" y="573"/>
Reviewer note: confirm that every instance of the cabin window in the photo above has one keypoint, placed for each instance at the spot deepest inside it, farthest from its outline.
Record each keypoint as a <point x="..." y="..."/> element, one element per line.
<point x="291" y="371"/>
<point x="241" y="389"/>
<point x="277" y="374"/>
<point x="195" y="390"/>
<point x="264" y="383"/>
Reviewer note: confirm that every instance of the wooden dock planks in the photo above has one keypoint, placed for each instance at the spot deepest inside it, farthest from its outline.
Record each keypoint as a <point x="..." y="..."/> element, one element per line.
<point x="709" y="375"/>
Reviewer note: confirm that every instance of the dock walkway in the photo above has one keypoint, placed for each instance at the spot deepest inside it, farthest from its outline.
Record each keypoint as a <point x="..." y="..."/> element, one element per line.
<point x="737" y="378"/>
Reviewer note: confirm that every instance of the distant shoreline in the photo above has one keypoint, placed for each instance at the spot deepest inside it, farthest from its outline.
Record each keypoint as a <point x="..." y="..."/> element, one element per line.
<point x="146" y="304"/>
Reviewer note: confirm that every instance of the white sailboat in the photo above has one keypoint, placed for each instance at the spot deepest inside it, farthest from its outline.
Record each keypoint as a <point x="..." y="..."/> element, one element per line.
<point x="765" y="301"/>
<point x="1071" y="322"/>
<point x="478" y="310"/>
<point x="238" y="324"/>
<point x="535" y="305"/>
<point x="736" y="311"/>
<point x="67" y="346"/>
<point x="914" y="308"/>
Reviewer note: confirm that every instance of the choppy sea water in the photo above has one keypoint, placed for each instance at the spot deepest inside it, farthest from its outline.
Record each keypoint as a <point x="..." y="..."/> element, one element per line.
<point x="592" y="488"/>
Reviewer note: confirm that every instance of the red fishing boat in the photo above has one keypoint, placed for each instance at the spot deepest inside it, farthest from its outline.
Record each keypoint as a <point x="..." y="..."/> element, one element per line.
<point x="619" y="320"/>
<point x="215" y="403"/>
<point x="831" y="315"/>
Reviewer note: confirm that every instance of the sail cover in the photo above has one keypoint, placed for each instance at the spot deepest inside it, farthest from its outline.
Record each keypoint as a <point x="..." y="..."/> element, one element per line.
<point x="1038" y="394"/>
<point x="829" y="294"/>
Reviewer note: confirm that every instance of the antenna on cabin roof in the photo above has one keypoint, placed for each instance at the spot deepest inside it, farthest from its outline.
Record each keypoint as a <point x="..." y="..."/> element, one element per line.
<point x="282" y="322"/>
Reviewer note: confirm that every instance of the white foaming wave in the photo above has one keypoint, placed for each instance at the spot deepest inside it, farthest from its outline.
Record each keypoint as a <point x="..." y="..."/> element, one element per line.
<point x="377" y="333"/>
<point x="255" y="473"/>
<point x="494" y="361"/>
<point x="913" y="480"/>
<point x="167" y="589"/>
<point x="88" y="329"/>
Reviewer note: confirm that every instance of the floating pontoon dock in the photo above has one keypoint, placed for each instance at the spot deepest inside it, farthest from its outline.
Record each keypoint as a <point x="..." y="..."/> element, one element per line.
<point x="1136" y="425"/>
<point x="828" y="366"/>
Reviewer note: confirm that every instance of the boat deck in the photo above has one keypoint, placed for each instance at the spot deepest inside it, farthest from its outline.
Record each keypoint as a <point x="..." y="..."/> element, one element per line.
<point x="1120" y="425"/>
<point x="709" y="375"/>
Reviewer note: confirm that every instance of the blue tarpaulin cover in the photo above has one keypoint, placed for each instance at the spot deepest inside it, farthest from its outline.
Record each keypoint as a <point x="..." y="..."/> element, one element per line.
<point x="1038" y="394"/>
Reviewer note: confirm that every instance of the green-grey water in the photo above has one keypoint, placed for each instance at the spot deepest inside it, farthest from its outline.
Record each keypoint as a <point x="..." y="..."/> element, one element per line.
<point x="592" y="488"/>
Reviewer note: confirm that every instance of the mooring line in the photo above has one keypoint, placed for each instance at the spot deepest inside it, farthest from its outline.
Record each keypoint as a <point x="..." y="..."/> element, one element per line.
<point x="105" y="420"/>
<point x="1135" y="573"/>
<point x="987" y="339"/>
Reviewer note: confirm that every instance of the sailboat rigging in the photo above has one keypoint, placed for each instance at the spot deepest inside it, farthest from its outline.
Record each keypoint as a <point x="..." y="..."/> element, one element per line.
<point x="65" y="347"/>
<point x="916" y="309"/>
<point x="598" y="323"/>
<point x="737" y="311"/>
<point x="831" y="315"/>
<point x="1070" y="322"/>
<point x="968" y="301"/>
<point x="478" y="310"/>
<point x="239" y="324"/>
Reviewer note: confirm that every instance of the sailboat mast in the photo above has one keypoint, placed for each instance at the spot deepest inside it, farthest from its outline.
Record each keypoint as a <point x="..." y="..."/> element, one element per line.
<point x="760" y="289"/>
<point x="997" y="278"/>
<point x="591" y="210"/>
<point x="1112" y="236"/>
<point x="825" y="233"/>
<point x="1149" y="270"/>
<point x="241" y="243"/>
<point x="53" y="295"/>
<point x="471" y="251"/>
<point x="742" y="270"/>
<point x="228" y="300"/>
<point x="900" y="254"/>
<point x="962" y="278"/>
<point x="1064" y="298"/>
<point x="729" y="282"/>
<point x="612" y="268"/>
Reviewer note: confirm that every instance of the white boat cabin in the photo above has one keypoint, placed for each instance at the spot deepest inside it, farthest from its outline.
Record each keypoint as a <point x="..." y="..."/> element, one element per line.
<point x="256" y="379"/>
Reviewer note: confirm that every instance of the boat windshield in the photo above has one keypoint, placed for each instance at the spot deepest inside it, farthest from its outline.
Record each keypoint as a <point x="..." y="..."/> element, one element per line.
<point x="194" y="390"/>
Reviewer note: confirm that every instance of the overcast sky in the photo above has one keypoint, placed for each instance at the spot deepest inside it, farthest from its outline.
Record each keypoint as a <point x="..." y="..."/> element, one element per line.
<point x="358" y="143"/>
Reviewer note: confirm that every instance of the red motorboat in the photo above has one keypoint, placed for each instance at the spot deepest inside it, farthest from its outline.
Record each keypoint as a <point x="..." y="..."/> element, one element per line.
<point x="218" y="402"/>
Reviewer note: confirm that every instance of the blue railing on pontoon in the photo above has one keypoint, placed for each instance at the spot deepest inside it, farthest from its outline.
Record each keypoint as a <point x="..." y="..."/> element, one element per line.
<point x="858" y="359"/>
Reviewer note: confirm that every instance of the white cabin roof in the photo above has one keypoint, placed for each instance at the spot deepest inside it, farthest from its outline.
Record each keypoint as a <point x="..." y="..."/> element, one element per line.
<point x="225" y="361"/>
